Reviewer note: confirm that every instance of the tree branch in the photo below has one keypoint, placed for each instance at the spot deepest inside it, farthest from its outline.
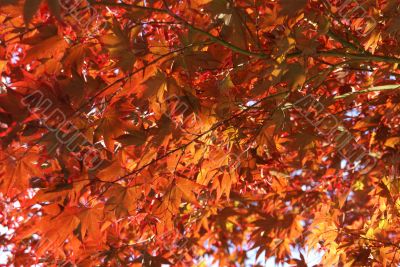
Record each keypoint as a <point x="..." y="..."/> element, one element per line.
<point x="342" y="41"/>
<point x="187" y="24"/>
<point x="372" y="89"/>
<point x="217" y="125"/>
<point x="364" y="57"/>
<point x="386" y="243"/>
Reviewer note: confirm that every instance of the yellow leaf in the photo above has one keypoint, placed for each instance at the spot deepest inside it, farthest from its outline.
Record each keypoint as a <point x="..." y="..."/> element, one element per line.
<point x="392" y="142"/>
<point x="358" y="186"/>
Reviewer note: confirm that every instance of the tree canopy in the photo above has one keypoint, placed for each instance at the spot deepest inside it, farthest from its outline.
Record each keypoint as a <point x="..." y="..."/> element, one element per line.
<point x="151" y="132"/>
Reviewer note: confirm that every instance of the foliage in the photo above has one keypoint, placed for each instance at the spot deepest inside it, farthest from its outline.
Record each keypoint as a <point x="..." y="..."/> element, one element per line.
<point x="165" y="132"/>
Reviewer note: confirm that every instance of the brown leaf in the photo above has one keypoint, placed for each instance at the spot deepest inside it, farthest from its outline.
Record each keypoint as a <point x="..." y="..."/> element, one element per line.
<point x="30" y="9"/>
<point x="55" y="8"/>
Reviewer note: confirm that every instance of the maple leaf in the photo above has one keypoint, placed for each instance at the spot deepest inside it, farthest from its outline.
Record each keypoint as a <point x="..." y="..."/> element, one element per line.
<point x="110" y="171"/>
<point x="16" y="173"/>
<point x="161" y="132"/>
<point x="90" y="219"/>
<point x="118" y="44"/>
<point x="112" y="125"/>
<point x="189" y="189"/>
<point x="122" y="201"/>
<point x="47" y="48"/>
<point x="55" y="229"/>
